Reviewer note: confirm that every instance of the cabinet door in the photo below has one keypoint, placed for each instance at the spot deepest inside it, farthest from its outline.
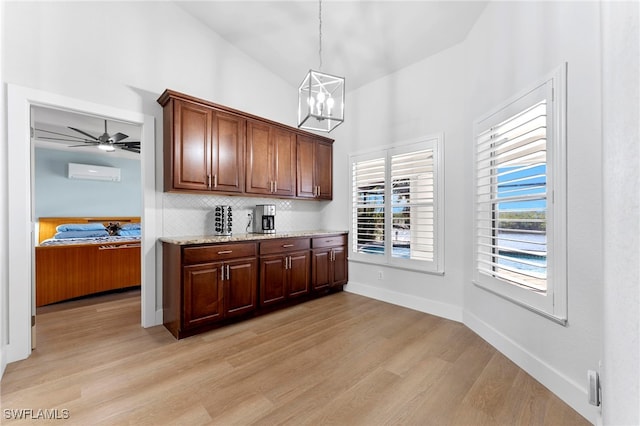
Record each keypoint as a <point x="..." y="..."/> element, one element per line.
<point x="283" y="162"/>
<point x="203" y="294"/>
<point x="240" y="286"/>
<point x="273" y="285"/>
<point x="227" y="153"/>
<point x="191" y="146"/>
<point x="298" y="274"/>
<point x="340" y="267"/>
<point x="320" y="269"/>
<point x="305" y="182"/>
<point x="259" y="169"/>
<point x="323" y="164"/>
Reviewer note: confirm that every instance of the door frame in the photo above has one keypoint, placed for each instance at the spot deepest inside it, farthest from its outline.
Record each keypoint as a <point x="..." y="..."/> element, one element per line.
<point x="21" y="242"/>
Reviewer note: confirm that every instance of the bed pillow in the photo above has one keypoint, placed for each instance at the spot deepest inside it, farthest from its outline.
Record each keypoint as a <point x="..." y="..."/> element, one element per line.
<point x="96" y="226"/>
<point x="81" y="234"/>
<point x="131" y="225"/>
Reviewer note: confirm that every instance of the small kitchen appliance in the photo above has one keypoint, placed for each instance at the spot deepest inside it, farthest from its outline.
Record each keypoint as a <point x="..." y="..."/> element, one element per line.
<point x="264" y="219"/>
<point x="223" y="220"/>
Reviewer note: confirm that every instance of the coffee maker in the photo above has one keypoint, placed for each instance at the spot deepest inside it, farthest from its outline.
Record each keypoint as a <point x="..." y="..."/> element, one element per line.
<point x="264" y="219"/>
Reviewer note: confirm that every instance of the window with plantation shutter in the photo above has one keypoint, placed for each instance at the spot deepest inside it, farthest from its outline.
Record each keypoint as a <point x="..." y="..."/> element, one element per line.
<point x="395" y="209"/>
<point x="520" y="199"/>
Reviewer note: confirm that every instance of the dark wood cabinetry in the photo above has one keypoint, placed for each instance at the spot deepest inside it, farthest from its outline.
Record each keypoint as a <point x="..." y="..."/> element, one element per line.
<point x="208" y="285"/>
<point x="210" y="148"/>
<point x="271" y="160"/>
<point x="314" y="168"/>
<point x="284" y="269"/>
<point x="329" y="262"/>
<point x="204" y="148"/>
<point x="205" y="284"/>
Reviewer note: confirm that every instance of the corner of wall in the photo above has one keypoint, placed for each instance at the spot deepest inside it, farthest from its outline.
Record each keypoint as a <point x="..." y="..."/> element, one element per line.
<point x="414" y="302"/>
<point x="553" y="379"/>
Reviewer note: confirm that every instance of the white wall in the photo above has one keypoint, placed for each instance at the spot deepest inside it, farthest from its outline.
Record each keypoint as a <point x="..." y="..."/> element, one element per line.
<point x="4" y="212"/>
<point x="56" y="195"/>
<point x="513" y="45"/>
<point x="621" y="157"/>
<point x="421" y="100"/>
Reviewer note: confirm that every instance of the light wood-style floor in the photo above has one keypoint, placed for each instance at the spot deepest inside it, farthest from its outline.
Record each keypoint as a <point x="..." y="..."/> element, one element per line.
<point x="341" y="360"/>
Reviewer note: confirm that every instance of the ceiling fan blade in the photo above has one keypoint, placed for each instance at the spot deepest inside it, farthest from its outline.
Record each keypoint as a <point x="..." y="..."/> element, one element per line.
<point x="87" y="145"/>
<point x="84" y="133"/>
<point x="59" y="134"/>
<point x="128" y="143"/>
<point x="131" y="149"/>
<point x="119" y="136"/>
<point x="64" y="140"/>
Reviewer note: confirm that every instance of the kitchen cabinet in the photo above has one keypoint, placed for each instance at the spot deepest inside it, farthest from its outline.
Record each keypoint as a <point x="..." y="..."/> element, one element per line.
<point x="314" y="168"/>
<point x="271" y="160"/>
<point x="284" y="269"/>
<point x="205" y="284"/>
<point x="214" y="149"/>
<point x="209" y="282"/>
<point x="329" y="262"/>
<point x="203" y="149"/>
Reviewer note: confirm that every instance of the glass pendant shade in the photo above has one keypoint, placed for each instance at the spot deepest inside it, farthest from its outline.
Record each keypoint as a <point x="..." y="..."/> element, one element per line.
<point x="320" y="102"/>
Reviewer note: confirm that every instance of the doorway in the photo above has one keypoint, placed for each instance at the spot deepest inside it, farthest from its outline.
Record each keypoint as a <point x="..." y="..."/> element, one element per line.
<point x="21" y="214"/>
<point x="70" y="262"/>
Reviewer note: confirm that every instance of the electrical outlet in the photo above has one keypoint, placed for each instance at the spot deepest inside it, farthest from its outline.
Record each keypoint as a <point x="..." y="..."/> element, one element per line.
<point x="380" y="275"/>
<point x="594" y="387"/>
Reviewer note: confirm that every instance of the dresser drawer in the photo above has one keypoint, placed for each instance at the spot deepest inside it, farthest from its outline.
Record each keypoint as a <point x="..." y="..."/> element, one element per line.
<point x="203" y="254"/>
<point x="284" y="245"/>
<point x="329" y="241"/>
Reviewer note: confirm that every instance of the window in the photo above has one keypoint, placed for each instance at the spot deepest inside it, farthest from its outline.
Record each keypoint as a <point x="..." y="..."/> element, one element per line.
<point x="395" y="206"/>
<point x="520" y="199"/>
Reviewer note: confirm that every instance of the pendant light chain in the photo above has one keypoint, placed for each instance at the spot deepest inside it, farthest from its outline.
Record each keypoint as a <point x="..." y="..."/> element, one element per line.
<point x="320" y="33"/>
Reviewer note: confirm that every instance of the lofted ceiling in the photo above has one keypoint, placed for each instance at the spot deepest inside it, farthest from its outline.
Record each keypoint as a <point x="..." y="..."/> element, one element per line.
<point x="361" y="40"/>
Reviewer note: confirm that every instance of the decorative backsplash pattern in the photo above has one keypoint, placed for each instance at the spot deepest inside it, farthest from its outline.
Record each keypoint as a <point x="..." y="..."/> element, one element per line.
<point x="191" y="214"/>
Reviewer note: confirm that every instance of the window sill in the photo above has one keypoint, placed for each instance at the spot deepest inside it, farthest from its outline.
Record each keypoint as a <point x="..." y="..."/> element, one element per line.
<point x="402" y="268"/>
<point x="559" y="320"/>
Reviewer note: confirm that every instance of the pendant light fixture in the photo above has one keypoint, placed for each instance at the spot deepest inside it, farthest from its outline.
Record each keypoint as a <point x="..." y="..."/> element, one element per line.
<point x="320" y="96"/>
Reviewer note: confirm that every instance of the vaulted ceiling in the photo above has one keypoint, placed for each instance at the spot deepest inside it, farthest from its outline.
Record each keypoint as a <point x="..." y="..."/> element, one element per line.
<point x="361" y="40"/>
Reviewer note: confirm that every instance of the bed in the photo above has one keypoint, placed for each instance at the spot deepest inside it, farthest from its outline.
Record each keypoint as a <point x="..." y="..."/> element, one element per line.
<point x="85" y="263"/>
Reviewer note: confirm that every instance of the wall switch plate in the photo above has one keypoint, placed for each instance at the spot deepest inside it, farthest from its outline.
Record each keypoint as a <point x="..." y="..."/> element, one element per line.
<point x="594" y="387"/>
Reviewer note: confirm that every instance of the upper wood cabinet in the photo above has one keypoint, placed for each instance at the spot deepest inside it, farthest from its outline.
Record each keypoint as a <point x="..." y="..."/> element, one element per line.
<point x="212" y="148"/>
<point x="271" y="160"/>
<point x="314" y="168"/>
<point x="204" y="148"/>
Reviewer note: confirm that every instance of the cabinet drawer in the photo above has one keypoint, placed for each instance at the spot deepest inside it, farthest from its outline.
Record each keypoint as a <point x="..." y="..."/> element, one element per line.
<point x="201" y="254"/>
<point x="279" y="246"/>
<point x="330" y="241"/>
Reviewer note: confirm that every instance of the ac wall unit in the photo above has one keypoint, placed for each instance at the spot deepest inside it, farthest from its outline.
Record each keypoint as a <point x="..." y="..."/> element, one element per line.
<point x="88" y="171"/>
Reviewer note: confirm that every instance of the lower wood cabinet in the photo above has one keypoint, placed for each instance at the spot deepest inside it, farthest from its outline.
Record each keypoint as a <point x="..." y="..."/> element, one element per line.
<point x="209" y="285"/>
<point x="329" y="263"/>
<point x="286" y="274"/>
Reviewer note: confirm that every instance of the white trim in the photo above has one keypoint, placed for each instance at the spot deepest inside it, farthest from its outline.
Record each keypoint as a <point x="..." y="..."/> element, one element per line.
<point x="560" y="384"/>
<point x="553" y="303"/>
<point x="432" y="307"/>
<point x="19" y="102"/>
<point x="437" y="141"/>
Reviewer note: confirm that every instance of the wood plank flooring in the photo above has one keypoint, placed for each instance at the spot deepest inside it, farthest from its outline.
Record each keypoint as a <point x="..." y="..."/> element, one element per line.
<point x="339" y="360"/>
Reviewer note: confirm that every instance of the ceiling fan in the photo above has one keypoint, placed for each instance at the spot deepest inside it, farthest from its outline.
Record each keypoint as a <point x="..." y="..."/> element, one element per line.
<point x="105" y="142"/>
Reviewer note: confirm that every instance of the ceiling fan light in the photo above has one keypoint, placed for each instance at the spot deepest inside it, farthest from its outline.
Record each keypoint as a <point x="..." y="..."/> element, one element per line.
<point x="107" y="148"/>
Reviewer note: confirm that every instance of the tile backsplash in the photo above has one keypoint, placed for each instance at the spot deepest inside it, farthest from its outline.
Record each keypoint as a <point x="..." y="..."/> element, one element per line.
<point x="191" y="214"/>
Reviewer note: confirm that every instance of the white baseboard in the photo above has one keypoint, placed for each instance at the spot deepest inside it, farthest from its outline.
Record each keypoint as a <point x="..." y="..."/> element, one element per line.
<point x="440" y="309"/>
<point x="566" y="389"/>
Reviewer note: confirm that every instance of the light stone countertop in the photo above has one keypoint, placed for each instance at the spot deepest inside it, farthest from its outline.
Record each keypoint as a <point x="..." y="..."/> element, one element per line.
<point x="211" y="239"/>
